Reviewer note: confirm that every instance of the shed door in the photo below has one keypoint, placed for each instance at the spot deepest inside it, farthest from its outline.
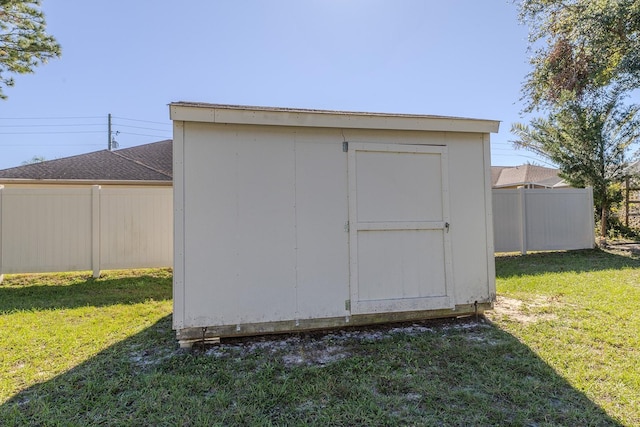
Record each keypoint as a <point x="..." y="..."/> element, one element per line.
<point x="400" y="255"/>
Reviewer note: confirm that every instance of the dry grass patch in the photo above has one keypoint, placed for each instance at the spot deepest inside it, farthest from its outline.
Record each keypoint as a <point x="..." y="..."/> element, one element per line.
<point x="536" y="310"/>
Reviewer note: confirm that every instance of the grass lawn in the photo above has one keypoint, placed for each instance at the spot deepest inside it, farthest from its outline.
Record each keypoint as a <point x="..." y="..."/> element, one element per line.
<point x="561" y="348"/>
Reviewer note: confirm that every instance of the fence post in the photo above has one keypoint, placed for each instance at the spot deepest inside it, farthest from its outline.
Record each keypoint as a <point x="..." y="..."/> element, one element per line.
<point x="523" y="221"/>
<point x="1" y="243"/>
<point x="591" y="210"/>
<point x="626" y="201"/>
<point x="95" y="230"/>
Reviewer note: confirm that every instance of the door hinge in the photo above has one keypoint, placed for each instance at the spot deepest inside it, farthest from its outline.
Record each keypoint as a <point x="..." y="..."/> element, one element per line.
<point x="346" y="226"/>
<point x="345" y="146"/>
<point x="446" y="226"/>
<point x="347" y="304"/>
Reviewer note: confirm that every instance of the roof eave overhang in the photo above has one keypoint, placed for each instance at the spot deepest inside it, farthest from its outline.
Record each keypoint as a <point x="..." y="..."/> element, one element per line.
<point x="24" y="181"/>
<point x="245" y="115"/>
<point x="521" y="184"/>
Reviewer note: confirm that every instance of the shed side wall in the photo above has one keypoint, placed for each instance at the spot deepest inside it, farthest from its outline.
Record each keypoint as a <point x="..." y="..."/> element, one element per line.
<point x="239" y="225"/>
<point x="265" y="215"/>
<point x="322" y="246"/>
<point x="471" y="253"/>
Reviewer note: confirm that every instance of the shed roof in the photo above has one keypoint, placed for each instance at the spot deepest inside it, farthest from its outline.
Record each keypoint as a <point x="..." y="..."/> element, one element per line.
<point x="148" y="162"/>
<point x="277" y="116"/>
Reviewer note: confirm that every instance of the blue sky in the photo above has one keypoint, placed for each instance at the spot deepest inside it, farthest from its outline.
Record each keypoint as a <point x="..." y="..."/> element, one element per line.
<point x="463" y="58"/>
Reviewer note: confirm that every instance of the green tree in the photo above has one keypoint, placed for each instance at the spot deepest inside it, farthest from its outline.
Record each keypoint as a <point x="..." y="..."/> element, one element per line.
<point x="589" y="140"/>
<point x="33" y="160"/>
<point x="24" y="43"/>
<point x="579" y="46"/>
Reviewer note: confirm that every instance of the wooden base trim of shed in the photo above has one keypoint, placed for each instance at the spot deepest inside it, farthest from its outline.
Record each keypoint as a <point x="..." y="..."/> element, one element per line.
<point x="189" y="336"/>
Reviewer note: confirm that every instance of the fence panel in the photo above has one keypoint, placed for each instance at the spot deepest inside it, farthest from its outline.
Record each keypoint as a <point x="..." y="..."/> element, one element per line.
<point x="91" y="228"/>
<point x="543" y="219"/>
<point x="507" y="220"/>
<point x="46" y="231"/>
<point x="136" y="228"/>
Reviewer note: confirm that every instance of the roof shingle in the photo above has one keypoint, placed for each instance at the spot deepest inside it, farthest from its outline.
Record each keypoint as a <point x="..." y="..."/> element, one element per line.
<point x="149" y="162"/>
<point x="524" y="175"/>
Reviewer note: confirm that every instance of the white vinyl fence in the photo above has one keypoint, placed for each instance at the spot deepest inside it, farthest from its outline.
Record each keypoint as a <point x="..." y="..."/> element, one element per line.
<point x="92" y="228"/>
<point x="543" y="219"/>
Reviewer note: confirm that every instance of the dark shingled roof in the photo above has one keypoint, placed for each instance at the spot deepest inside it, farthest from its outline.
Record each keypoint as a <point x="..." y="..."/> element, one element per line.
<point x="149" y="162"/>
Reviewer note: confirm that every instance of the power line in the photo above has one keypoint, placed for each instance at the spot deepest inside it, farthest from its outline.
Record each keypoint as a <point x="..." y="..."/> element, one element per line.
<point x="143" y="134"/>
<point x="144" y="121"/>
<point x="537" y="159"/>
<point x="38" y="128"/>
<point x="49" y="145"/>
<point x="138" y="127"/>
<point x="49" y="133"/>
<point x="43" y="126"/>
<point x="51" y="118"/>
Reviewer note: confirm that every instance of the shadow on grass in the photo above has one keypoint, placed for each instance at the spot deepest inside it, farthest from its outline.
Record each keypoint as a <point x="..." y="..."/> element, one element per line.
<point x="131" y="289"/>
<point x="442" y="373"/>
<point x="556" y="262"/>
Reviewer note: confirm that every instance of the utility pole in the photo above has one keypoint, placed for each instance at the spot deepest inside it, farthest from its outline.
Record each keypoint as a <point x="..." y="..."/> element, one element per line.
<point x="112" y="140"/>
<point x="109" y="121"/>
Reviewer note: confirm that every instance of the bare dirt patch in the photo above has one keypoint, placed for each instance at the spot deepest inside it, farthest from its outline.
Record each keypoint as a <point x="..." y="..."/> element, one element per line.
<point x="324" y="348"/>
<point x="524" y="312"/>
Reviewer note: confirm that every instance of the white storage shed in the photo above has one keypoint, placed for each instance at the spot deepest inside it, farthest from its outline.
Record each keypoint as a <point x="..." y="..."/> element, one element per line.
<point x="291" y="219"/>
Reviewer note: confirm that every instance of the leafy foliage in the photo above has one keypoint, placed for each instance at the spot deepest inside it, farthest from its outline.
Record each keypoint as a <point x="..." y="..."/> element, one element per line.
<point x="579" y="46"/>
<point x="588" y="140"/>
<point x="33" y="160"/>
<point x="24" y="43"/>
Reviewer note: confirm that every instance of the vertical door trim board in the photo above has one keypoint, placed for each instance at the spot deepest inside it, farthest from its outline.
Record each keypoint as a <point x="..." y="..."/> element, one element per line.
<point x="179" y="238"/>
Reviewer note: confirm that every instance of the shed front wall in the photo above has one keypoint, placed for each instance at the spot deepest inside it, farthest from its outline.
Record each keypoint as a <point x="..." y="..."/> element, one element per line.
<point x="264" y="234"/>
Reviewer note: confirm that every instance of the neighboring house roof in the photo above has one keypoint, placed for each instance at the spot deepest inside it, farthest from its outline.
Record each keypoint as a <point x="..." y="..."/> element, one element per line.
<point x="149" y="162"/>
<point x="632" y="169"/>
<point x="525" y="175"/>
<point x="495" y="174"/>
<point x="157" y="156"/>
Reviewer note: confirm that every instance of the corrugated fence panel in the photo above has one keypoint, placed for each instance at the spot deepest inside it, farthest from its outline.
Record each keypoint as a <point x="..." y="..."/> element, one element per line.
<point x="543" y="219"/>
<point x="136" y="227"/>
<point x="44" y="230"/>
<point x="61" y="229"/>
